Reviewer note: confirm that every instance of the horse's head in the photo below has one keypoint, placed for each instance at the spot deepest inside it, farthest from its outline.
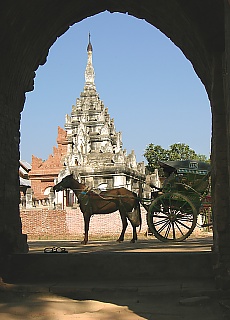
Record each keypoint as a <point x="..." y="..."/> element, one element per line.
<point x="65" y="183"/>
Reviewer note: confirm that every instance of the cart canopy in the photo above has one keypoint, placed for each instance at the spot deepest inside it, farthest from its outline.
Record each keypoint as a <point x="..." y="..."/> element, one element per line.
<point x="186" y="166"/>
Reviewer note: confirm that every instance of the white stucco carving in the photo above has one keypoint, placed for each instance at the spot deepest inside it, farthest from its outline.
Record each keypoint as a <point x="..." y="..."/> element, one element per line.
<point x="95" y="148"/>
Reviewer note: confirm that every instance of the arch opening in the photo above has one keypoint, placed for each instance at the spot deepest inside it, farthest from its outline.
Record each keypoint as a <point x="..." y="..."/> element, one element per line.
<point x="138" y="81"/>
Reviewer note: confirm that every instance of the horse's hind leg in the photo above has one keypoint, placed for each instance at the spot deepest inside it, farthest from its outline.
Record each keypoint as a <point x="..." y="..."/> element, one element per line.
<point x="124" y="226"/>
<point x="134" y="239"/>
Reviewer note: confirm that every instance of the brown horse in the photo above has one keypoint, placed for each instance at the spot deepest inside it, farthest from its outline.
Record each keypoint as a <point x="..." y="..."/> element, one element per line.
<point x="108" y="201"/>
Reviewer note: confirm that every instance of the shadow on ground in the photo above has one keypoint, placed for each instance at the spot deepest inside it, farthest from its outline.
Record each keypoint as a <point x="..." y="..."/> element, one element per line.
<point x="153" y="301"/>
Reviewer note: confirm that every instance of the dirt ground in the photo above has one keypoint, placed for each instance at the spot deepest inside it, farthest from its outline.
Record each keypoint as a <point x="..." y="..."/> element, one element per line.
<point x="159" y="301"/>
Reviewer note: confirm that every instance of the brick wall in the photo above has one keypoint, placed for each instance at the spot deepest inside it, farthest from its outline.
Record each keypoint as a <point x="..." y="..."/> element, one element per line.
<point x="69" y="224"/>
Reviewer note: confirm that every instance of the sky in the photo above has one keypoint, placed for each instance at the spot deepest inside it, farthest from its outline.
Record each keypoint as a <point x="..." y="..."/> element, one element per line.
<point x="148" y="85"/>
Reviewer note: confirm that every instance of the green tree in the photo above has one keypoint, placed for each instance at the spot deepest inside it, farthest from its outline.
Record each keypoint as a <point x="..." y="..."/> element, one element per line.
<point x="153" y="154"/>
<point x="203" y="158"/>
<point x="181" y="151"/>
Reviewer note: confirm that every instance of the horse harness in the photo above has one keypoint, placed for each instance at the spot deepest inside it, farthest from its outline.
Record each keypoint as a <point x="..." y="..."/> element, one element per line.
<point x="85" y="195"/>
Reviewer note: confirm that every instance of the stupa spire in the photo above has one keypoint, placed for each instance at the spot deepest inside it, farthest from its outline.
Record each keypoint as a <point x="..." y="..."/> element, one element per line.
<point x="89" y="71"/>
<point x="89" y="47"/>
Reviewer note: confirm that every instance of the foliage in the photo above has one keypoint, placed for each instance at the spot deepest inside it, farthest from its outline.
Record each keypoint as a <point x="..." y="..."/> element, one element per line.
<point x="177" y="151"/>
<point x="153" y="154"/>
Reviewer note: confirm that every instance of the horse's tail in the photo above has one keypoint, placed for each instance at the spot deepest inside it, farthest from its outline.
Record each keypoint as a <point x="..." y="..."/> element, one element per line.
<point x="139" y="213"/>
<point x="138" y="209"/>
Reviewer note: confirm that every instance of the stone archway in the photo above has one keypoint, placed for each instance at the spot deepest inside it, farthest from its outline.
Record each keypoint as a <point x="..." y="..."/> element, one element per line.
<point x="27" y="31"/>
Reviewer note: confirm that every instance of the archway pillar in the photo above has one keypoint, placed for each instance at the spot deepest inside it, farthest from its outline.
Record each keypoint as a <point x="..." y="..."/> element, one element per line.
<point x="221" y="159"/>
<point x="11" y="238"/>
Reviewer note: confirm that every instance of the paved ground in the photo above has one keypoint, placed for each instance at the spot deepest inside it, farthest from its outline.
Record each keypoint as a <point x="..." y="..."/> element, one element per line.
<point x="152" y="300"/>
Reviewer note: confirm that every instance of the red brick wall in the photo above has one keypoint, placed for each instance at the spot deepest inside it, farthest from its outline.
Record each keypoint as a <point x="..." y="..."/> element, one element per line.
<point x="69" y="224"/>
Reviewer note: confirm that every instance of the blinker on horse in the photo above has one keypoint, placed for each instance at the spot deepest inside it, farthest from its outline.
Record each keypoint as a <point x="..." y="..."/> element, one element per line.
<point x="121" y="199"/>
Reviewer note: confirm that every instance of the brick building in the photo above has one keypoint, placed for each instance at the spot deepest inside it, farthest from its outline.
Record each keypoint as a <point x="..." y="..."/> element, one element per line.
<point x="44" y="173"/>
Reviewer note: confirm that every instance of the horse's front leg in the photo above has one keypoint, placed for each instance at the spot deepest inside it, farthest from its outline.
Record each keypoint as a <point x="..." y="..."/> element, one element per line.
<point x="124" y="226"/>
<point x="86" y="221"/>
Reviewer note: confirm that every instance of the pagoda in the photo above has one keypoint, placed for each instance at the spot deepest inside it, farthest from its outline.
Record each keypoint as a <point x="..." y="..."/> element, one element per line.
<point x="94" y="148"/>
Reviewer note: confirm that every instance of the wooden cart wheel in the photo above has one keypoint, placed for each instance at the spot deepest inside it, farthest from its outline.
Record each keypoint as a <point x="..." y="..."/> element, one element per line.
<point x="172" y="217"/>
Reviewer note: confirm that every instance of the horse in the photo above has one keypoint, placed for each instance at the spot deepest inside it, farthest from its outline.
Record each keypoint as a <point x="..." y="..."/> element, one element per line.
<point x="106" y="202"/>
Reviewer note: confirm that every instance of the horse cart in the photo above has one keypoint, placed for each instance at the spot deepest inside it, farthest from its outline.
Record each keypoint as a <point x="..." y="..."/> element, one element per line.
<point x="173" y="211"/>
